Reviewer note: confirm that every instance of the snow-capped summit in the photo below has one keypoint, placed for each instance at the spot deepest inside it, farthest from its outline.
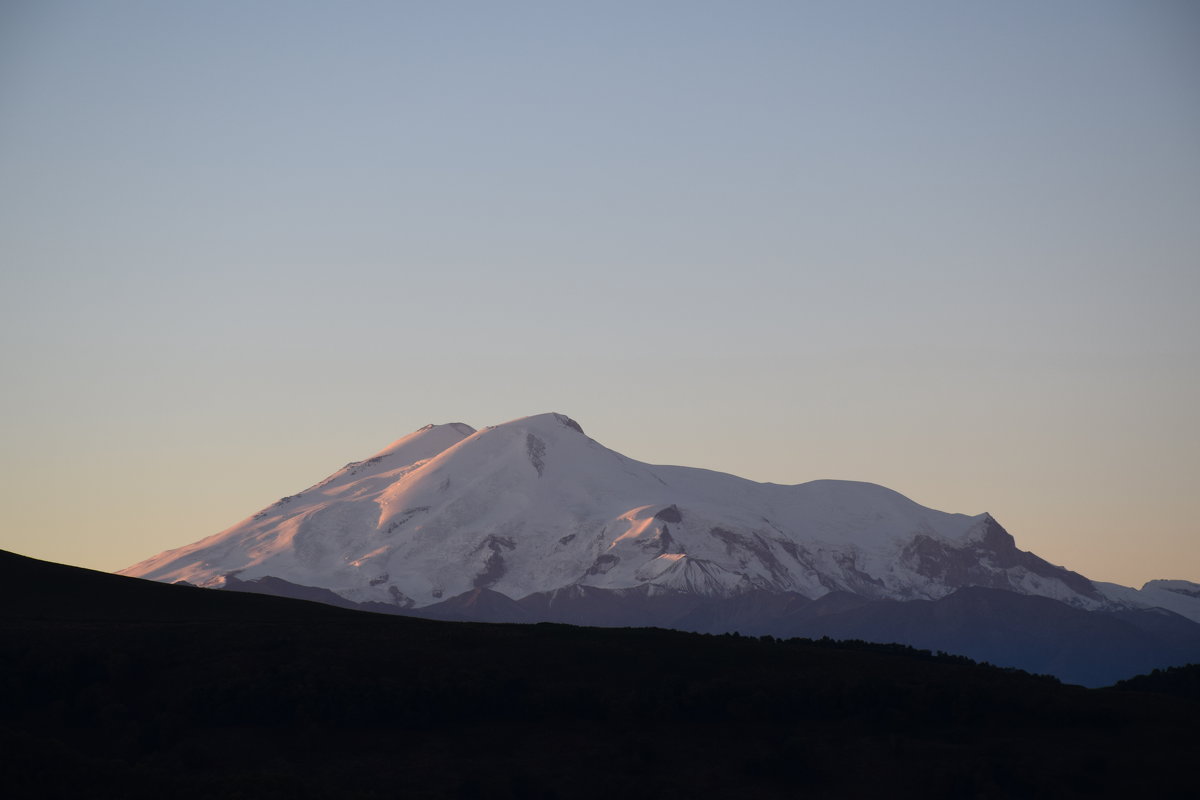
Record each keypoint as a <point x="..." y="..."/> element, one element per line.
<point x="425" y="442"/>
<point x="535" y="505"/>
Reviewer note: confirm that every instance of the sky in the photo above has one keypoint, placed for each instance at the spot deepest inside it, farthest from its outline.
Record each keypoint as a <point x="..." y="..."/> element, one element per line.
<point x="948" y="247"/>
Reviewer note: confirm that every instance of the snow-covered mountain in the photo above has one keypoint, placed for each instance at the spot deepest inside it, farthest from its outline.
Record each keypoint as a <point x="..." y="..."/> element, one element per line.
<point x="536" y="507"/>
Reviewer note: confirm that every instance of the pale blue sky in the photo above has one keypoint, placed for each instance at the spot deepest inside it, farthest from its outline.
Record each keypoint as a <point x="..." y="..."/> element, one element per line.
<point x="950" y="247"/>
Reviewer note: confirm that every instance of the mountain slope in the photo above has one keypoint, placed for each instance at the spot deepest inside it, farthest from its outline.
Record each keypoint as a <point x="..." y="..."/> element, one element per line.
<point x="31" y="589"/>
<point x="534" y="505"/>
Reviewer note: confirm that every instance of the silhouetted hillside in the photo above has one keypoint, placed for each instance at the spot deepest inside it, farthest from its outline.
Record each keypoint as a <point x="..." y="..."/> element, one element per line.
<point x="40" y="590"/>
<point x="118" y="687"/>
<point x="1182" y="682"/>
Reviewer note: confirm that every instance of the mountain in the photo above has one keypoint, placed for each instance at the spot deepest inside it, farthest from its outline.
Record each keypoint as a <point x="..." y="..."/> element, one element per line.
<point x="117" y="687"/>
<point x="533" y="519"/>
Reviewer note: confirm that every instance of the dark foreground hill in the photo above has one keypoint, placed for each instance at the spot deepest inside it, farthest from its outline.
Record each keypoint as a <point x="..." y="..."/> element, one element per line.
<point x="117" y="687"/>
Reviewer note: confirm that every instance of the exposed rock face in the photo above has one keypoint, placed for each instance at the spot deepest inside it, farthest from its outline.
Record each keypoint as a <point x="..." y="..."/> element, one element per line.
<point x="670" y="514"/>
<point x="493" y="567"/>
<point x="993" y="561"/>
<point x="570" y="423"/>
<point x="536" y="449"/>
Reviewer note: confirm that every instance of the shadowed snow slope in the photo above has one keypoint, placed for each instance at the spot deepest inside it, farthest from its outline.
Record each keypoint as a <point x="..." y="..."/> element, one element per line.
<point x="535" y="505"/>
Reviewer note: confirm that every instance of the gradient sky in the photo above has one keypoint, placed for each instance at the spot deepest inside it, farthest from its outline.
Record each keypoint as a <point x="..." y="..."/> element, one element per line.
<point x="948" y="247"/>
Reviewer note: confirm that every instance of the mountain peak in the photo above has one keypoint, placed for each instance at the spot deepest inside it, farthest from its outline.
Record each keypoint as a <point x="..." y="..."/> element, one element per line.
<point x="427" y="442"/>
<point x="551" y="418"/>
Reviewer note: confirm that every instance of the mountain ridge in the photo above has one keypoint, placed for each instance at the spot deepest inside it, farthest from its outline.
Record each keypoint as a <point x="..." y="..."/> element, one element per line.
<point x="535" y="504"/>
